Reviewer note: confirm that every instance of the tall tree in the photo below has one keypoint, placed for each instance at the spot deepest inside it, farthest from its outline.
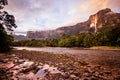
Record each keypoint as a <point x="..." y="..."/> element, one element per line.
<point x="3" y="3"/>
<point x="7" y="23"/>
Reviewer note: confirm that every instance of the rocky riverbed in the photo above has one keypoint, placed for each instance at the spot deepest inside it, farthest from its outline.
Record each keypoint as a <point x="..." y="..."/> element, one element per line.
<point x="33" y="65"/>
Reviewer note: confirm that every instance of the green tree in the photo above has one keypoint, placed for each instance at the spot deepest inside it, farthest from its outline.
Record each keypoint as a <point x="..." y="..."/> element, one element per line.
<point x="7" y="23"/>
<point x="100" y="39"/>
<point x="4" y="40"/>
<point x="114" y="36"/>
<point x="88" y="40"/>
<point x="80" y="40"/>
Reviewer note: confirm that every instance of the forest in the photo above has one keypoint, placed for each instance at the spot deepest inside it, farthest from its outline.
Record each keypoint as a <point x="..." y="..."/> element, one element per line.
<point x="106" y="36"/>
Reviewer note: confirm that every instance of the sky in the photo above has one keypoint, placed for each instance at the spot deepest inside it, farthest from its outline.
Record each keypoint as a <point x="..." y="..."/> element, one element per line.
<point x="39" y="15"/>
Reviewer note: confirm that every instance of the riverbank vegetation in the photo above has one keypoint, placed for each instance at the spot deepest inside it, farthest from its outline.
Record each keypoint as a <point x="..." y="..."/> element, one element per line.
<point x="5" y="40"/>
<point x="106" y="36"/>
<point x="105" y="47"/>
<point x="7" y="23"/>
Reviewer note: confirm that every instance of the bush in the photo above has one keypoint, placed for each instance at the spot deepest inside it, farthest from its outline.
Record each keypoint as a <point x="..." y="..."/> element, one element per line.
<point x="5" y="40"/>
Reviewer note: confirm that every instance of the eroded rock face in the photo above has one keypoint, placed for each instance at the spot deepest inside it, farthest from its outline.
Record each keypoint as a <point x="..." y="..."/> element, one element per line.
<point x="103" y="18"/>
<point x="93" y="22"/>
<point x="19" y="37"/>
<point x="50" y="34"/>
<point x="96" y="21"/>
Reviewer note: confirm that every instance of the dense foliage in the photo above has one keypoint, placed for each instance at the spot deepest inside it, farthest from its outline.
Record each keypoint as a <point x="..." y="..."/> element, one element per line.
<point x="7" y="23"/>
<point x="5" y="40"/>
<point x="106" y="36"/>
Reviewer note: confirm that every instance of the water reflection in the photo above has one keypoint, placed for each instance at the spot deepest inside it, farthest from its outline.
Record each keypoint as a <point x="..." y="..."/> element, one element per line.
<point x="60" y="50"/>
<point x="24" y="69"/>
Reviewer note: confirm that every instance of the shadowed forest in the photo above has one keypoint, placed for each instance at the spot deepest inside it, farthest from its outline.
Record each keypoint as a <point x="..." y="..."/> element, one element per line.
<point x="105" y="36"/>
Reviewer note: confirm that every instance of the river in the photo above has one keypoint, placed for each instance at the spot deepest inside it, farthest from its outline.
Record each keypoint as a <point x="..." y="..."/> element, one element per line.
<point x="60" y="50"/>
<point x="95" y="56"/>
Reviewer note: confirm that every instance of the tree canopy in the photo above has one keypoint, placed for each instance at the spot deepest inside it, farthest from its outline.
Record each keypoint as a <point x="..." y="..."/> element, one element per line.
<point x="7" y="23"/>
<point x="3" y="3"/>
<point x="106" y="36"/>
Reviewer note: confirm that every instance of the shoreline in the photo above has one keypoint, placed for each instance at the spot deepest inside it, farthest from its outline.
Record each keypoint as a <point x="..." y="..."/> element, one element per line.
<point x="109" y="48"/>
<point x="70" y="66"/>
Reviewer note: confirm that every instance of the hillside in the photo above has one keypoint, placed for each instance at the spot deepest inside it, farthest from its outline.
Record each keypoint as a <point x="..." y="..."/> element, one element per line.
<point x="19" y="37"/>
<point x="102" y="18"/>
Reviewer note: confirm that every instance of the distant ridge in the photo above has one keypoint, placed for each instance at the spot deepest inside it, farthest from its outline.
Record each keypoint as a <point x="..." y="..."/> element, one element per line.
<point x="96" y="21"/>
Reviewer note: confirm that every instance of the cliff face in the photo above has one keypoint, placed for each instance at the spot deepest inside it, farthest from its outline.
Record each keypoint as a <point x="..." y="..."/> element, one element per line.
<point x="50" y="34"/>
<point x="19" y="37"/>
<point x="102" y="18"/>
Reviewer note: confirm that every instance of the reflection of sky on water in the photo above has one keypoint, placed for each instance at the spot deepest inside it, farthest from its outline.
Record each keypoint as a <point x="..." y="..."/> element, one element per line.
<point x="43" y="69"/>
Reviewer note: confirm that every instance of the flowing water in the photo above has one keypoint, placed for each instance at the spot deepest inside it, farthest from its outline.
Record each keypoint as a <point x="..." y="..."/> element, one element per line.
<point x="60" y="50"/>
<point x="94" y="56"/>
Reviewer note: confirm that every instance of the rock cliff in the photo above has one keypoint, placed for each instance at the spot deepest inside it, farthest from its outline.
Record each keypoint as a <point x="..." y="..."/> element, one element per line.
<point x="102" y="18"/>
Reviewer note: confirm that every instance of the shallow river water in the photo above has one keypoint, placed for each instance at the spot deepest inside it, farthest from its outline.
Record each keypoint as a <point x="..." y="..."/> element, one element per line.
<point x="59" y="50"/>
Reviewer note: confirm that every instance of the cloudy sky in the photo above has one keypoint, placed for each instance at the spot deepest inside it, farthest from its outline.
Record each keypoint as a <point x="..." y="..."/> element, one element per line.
<point x="51" y="14"/>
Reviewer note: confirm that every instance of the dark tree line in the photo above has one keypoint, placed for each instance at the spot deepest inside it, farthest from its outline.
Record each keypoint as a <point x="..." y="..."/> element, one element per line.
<point x="106" y="36"/>
<point x="7" y="23"/>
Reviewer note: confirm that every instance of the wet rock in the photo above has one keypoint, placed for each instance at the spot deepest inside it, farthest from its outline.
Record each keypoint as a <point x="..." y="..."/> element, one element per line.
<point x="98" y="68"/>
<point x="57" y="76"/>
<point x="67" y="68"/>
<point x="108" y="72"/>
<point x="87" y="74"/>
<point x="66" y="75"/>
<point x="72" y="76"/>
<point x="32" y="68"/>
<point x="83" y="63"/>
<point x="4" y="75"/>
<point x="76" y="73"/>
<point x="117" y="78"/>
